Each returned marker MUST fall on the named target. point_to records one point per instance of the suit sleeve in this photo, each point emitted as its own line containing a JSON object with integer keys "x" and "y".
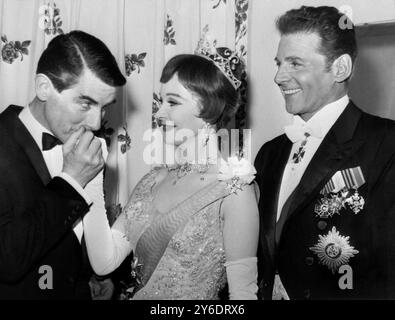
{"x": 383, "y": 221}
{"x": 258, "y": 164}
{"x": 25, "y": 237}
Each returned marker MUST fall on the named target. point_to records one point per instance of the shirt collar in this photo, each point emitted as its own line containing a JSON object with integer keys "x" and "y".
{"x": 326, "y": 117}
{"x": 35, "y": 128}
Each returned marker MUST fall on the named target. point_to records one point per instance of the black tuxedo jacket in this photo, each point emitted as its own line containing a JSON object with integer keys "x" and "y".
{"x": 36, "y": 218}
{"x": 356, "y": 139}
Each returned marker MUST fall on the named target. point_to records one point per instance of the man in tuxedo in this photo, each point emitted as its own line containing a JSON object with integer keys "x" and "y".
{"x": 327, "y": 186}
{"x": 51, "y": 170}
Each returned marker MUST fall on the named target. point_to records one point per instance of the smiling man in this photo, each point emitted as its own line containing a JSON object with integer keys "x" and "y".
{"x": 306, "y": 82}
{"x": 51, "y": 170}
{"x": 327, "y": 184}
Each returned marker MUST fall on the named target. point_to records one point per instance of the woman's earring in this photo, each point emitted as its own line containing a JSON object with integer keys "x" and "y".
{"x": 203, "y": 167}
{"x": 207, "y": 130}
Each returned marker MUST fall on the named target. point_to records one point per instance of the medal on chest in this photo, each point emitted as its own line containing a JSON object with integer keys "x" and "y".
{"x": 333, "y": 250}
{"x": 341, "y": 191}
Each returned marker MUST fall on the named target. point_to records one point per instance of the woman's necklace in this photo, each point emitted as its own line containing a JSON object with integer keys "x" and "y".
{"x": 188, "y": 168}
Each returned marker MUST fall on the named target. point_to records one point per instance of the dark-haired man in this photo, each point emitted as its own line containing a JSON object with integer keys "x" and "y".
{"x": 51, "y": 170}
{"x": 328, "y": 184}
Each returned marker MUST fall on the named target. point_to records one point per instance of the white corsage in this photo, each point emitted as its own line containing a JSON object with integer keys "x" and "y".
{"x": 237, "y": 172}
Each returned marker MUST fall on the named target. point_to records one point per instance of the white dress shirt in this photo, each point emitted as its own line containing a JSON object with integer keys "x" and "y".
{"x": 320, "y": 123}
{"x": 93, "y": 192}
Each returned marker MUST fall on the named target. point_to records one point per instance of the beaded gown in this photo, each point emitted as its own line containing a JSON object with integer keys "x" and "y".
{"x": 180, "y": 253}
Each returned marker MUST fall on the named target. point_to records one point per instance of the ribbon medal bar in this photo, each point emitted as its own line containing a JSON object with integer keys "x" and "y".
{"x": 341, "y": 190}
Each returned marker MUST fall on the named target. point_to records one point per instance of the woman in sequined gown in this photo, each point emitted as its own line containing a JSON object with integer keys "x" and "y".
{"x": 191, "y": 232}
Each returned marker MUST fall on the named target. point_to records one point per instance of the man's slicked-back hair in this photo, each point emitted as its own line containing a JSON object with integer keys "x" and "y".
{"x": 66, "y": 56}
{"x": 328, "y": 23}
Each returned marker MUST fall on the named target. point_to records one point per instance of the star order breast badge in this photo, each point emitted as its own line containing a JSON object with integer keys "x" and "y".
{"x": 333, "y": 250}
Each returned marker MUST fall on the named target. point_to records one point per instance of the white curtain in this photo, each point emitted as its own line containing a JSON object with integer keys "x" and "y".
{"x": 142, "y": 35}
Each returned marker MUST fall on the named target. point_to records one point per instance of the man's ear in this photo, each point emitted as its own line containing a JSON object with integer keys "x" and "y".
{"x": 44, "y": 87}
{"x": 342, "y": 68}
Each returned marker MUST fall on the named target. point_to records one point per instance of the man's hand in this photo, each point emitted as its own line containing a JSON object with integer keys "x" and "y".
{"x": 82, "y": 156}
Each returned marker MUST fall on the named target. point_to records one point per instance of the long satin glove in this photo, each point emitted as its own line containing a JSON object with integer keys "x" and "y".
{"x": 107, "y": 248}
{"x": 242, "y": 278}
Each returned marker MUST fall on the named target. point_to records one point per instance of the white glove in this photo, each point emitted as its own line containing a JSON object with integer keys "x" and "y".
{"x": 107, "y": 248}
{"x": 242, "y": 278}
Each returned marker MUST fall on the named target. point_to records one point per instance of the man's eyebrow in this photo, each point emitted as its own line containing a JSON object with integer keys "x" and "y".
{"x": 92, "y": 101}
{"x": 292, "y": 58}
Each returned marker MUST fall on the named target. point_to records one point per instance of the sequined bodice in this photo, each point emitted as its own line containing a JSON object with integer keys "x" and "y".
{"x": 192, "y": 265}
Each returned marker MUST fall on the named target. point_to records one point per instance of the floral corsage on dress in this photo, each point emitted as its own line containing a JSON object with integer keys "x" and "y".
{"x": 237, "y": 171}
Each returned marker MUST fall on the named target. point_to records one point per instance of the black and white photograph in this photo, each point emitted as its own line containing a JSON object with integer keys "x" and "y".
{"x": 219, "y": 151}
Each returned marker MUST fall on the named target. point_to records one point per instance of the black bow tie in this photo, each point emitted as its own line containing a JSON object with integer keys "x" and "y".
{"x": 49, "y": 141}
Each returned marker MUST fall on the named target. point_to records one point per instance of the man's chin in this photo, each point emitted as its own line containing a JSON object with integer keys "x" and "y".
{"x": 292, "y": 109}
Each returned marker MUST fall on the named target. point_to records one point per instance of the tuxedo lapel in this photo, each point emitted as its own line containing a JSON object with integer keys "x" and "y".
{"x": 24, "y": 139}
{"x": 273, "y": 183}
{"x": 336, "y": 148}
